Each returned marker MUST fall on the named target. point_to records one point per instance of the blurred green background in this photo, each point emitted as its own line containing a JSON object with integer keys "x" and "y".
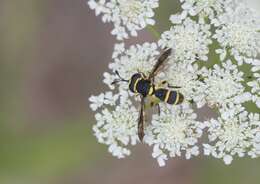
{"x": 52, "y": 56}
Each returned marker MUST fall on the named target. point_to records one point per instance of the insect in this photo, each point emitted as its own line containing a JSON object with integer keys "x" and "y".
{"x": 144, "y": 86}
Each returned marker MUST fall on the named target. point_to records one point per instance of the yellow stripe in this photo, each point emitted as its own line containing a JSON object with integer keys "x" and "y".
{"x": 135, "y": 84}
{"x": 167, "y": 96}
{"x": 150, "y": 91}
{"x": 177, "y": 98}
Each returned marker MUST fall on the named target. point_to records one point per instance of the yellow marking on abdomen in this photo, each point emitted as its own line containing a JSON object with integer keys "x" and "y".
{"x": 167, "y": 96}
{"x": 135, "y": 84}
{"x": 177, "y": 98}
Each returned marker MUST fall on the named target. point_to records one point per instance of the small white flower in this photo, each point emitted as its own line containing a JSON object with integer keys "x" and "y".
{"x": 238, "y": 33}
{"x": 232, "y": 135}
{"x": 172, "y": 132}
{"x": 255, "y": 86}
{"x": 118, "y": 50}
{"x": 138, "y": 58}
{"x": 117, "y": 128}
{"x": 128, "y": 16}
{"x": 255, "y": 151}
{"x": 108, "y": 79}
{"x": 227, "y": 159}
{"x": 103, "y": 99}
{"x": 205, "y": 8}
{"x": 224, "y": 85}
{"x": 189, "y": 41}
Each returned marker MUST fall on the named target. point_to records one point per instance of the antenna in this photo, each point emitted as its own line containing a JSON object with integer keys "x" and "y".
{"x": 118, "y": 80}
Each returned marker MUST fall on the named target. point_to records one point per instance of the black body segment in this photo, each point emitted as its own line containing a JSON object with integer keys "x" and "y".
{"x": 169, "y": 96}
{"x": 180, "y": 99}
{"x": 161, "y": 93}
{"x": 138, "y": 84}
{"x": 175, "y": 98}
{"x": 143, "y": 87}
{"x": 172, "y": 98}
{"x": 133, "y": 81}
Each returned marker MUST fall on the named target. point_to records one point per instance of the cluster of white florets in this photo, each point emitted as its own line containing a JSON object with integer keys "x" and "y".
{"x": 224, "y": 85}
{"x": 189, "y": 41}
{"x": 128, "y": 16}
{"x": 228, "y": 83}
{"x": 174, "y": 131}
{"x": 254, "y": 83}
{"x": 235, "y": 133}
{"x": 238, "y": 34}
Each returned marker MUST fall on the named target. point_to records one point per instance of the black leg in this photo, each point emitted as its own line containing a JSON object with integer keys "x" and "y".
{"x": 159, "y": 109}
{"x": 168, "y": 85}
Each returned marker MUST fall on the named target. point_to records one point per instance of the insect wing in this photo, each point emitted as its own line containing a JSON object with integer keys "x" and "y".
{"x": 141, "y": 121}
{"x": 163, "y": 57}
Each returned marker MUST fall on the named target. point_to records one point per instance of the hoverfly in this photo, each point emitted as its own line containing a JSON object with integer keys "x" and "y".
{"x": 144, "y": 85}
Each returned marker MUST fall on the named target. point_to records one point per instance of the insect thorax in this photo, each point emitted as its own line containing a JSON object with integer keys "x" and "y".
{"x": 139, "y": 84}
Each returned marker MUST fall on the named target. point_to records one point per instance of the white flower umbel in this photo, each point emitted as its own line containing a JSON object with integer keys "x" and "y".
{"x": 172, "y": 132}
{"x": 128, "y": 16}
{"x": 205, "y": 8}
{"x": 117, "y": 128}
{"x": 224, "y": 85}
{"x": 189, "y": 41}
{"x": 232, "y": 135}
{"x": 255, "y": 86}
{"x": 103, "y": 99}
{"x": 238, "y": 34}
{"x": 255, "y": 151}
{"x": 138, "y": 58}
{"x": 117, "y": 122}
{"x": 186, "y": 76}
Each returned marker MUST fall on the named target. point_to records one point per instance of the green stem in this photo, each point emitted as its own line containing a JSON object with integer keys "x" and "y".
{"x": 153, "y": 31}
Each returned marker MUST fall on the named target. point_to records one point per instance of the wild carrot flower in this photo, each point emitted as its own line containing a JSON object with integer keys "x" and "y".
{"x": 226, "y": 82}
{"x": 127, "y": 16}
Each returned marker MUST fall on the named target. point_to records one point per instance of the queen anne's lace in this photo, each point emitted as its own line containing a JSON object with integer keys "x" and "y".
{"x": 117, "y": 128}
{"x": 172, "y": 132}
{"x": 234, "y": 134}
{"x": 203, "y": 8}
{"x": 188, "y": 40}
{"x": 224, "y": 85}
{"x": 238, "y": 33}
{"x": 186, "y": 76}
{"x": 255, "y": 86}
{"x": 228, "y": 84}
{"x": 128, "y": 16}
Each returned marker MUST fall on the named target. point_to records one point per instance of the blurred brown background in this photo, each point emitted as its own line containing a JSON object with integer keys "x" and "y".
{"x": 52, "y": 56}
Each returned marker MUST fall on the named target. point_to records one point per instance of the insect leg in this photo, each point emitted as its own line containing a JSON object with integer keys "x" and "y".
{"x": 168, "y": 85}
{"x": 159, "y": 109}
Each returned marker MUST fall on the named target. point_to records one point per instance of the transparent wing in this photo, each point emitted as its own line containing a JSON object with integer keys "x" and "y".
{"x": 163, "y": 57}
{"x": 141, "y": 121}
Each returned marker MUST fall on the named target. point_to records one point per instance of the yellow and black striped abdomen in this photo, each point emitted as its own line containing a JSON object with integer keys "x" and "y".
{"x": 169, "y": 96}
